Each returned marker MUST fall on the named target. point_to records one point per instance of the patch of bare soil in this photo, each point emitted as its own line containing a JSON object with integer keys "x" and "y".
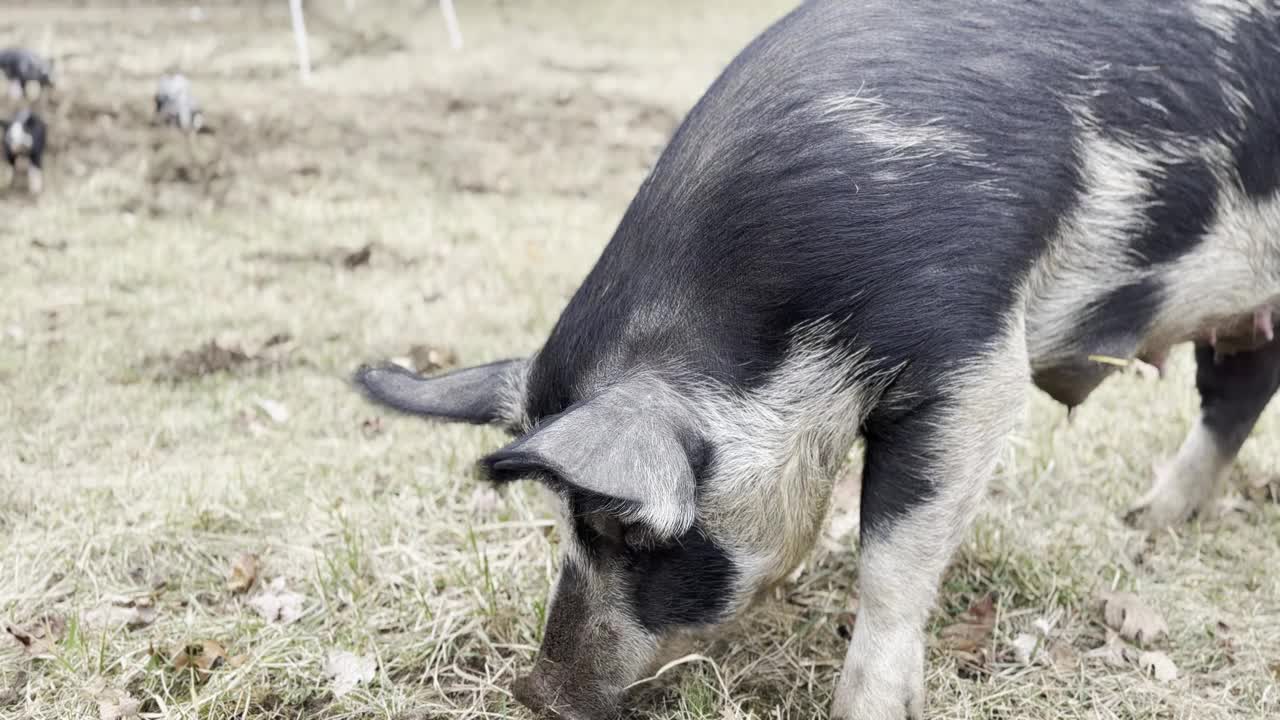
{"x": 221, "y": 355}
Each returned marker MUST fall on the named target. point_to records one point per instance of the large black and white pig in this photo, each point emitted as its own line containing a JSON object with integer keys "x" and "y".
{"x": 882, "y": 220}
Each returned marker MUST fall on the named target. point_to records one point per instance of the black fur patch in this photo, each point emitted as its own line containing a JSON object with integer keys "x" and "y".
{"x": 1235, "y": 389}
{"x": 683, "y": 583}
{"x": 34, "y": 126}
{"x": 1180, "y": 213}
{"x": 1253, "y": 55}
{"x": 1117, "y": 321}
{"x": 896, "y": 473}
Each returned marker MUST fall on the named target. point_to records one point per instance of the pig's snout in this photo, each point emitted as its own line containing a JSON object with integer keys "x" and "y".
{"x": 549, "y": 697}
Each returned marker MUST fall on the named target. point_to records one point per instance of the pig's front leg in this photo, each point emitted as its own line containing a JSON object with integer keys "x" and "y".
{"x": 922, "y": 481}
{"x": 1234, "y": 390}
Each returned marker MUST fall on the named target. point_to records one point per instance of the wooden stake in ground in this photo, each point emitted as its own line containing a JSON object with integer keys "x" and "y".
{"x": 451, "y": 22}
{"x": 300, "y": 38}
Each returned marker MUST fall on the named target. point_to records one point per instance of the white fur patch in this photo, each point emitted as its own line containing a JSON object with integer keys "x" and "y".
{"x": 870, "y": 120}
{"x": 17, "y": 138}
{"x": 778, "y": 451}
{"x": 1089, "y": 256}
{"x": 1235, "y": 269}
{"x": 1224, "y": 16}
{"x": 513, "y": 395}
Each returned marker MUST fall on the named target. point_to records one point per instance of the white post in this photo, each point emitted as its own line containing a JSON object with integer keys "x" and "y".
{"x": 300, "y": 37}
{"x": 451, "y": 22}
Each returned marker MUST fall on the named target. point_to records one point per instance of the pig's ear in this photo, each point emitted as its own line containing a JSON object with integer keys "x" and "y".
{"x": 630, "y": 451}
{"x": 482, "y": 394}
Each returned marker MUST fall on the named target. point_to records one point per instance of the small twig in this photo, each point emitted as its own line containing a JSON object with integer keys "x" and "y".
{"x": 1142, "y": 367}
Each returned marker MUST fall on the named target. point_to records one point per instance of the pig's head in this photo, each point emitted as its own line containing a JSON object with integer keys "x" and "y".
{"x": 641, "y": 571}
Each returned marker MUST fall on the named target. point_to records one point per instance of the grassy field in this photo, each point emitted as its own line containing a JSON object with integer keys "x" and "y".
{"x": 178, "y": 323}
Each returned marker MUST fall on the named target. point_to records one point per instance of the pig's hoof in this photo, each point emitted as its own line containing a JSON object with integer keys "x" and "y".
{"x": 1157, "y": 513}
{"x": 1172, "y": 500}
{"x": 871, "y": 689}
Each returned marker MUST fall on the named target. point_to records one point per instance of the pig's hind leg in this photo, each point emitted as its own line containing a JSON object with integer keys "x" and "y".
{"x": 1234, "y": 390}
{"x": 923, "y": 478}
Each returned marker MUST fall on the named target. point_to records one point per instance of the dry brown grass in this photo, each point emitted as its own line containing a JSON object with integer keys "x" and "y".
{"x": 486, "y": 182}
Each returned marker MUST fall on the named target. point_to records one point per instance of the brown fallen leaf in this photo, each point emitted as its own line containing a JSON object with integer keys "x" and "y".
{"x": 1062, "y": 655}
{"x": 116, "y": 705}
{"x": 353, "y": 260}
{"x": 244, "y": 572}
{"x": 348, "y": 670}
{"x": 201, "y": 657}
{"x": 1134, "y": 620}
{"x": 39, "y": 637}
{"x": 968, "y": 639}
{"x": 1158, "y": 665}
{"x": 275, "y": 603}
{"x": 428, "y": 359}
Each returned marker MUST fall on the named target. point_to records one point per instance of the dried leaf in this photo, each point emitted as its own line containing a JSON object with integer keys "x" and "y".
{"x": 273, "y": 409}
{"x": 1158, "y": 665}
{"x": 1113, "y": 651}
{"x": 278, "y": 604}
{"x": 39, "y": 638}
{"x": 348, "y": 670}
{"x": 428, "y": 359}
{"x": 116, "y": 705}
{"x": 1062, "y": 655}
{"x": 244, "y": 572}
{"x": 203, "y": 657}
{"x": 1136, "y": 621}
{"x": 360, "y": 257}
{"x": 969, "y": 638}
{"x": 118, "y": 612}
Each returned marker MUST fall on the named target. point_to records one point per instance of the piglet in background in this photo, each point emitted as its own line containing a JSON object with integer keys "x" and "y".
{"x": 24, "y": 138}
{"x": 21, "y": 67}
{"x": 176, "y": 105}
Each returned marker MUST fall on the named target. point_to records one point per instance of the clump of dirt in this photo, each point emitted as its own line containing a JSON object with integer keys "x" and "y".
{"x": 221, "y": 355}
{"x": 426, "y": 359}
{"x": 336, "y": 256}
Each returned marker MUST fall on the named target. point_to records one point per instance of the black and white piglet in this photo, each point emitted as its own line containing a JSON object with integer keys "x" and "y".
{"x": 24, "y": 139}
{"x": 21, "y": 67}
{"x": 175, "y": 105}
{"x": 885, "y": 219}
